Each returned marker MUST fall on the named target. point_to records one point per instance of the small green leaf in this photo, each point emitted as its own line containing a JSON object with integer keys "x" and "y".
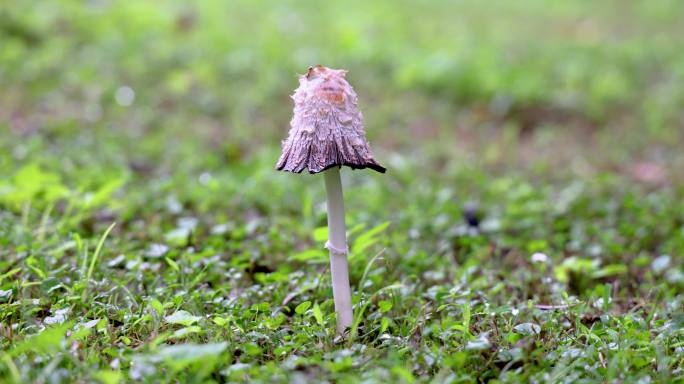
{"x": 384, "y": 306}
{"x": 186, "y": 331}
{"x": 310, "y": 255}
{"x": 369, "y": 238}
{"x": 610, "y": 270}
{"x": 104, "y": 193}
{"x": 8, "y": 274}
{"x": 32, "y": 263}
{"x": 108, "y": 376}
{"x": 384, "y": 324}
{"x": 157, "y": 306}
{"x": 261, "y": 307}
{"x": 80, "y": 334}
{"x": 178, "y": 237}
{"x": 318, "y": 315}
{"x": 192, "y": 351}
{"x": 466, "y": 317}
{"x": 303, "y": 307}
{"x": 221, "y": 321}
{"x": 172, "y": 264}
{"x": 182, "y": 318}
{"x": 252, "y": 349}
{"x": 403, "y": 373}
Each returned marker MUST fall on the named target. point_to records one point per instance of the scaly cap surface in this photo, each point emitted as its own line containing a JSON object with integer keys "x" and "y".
{"x": 327, "y": 127}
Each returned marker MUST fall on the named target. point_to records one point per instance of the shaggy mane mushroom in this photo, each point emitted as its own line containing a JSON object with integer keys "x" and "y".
{"x": 327, "y": 133}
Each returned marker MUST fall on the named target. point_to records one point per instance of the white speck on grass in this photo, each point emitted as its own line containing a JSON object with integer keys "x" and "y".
{"x": 187, "y": 222}
{"x": 156, "y": 250}
{"x": 59, "y": 317}
{"x": 595, "y": 250}
{"x": 220, "y": 229}
{"x": 572, "y": 353}
{"x": 173, "y": 205}
{"x": 527, "y": 329}
{"x": 115, "y": 364}
{"x": 88, "y": 324}
{"x": 237, "y": 367}
{"x": 599, "y": 303}
{"x": 539, "y": 257}
{"x": 674, "y": 276}
{"x": 116, "y": 261}
{"x": 661, "y": 263}
{"x": 205, "y": 178}
{"x": 481, "y": 343}
{"x": 132, "y": 264}
{"x": 125, "y": 96}
{"x": 491, "y": 225}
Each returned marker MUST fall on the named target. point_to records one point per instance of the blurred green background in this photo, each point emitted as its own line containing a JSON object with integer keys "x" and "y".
{"x": 562, "y": 121}
{"x": 461, "y": 79}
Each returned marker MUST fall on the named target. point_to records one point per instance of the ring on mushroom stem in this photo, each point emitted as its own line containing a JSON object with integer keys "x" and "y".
{"x": 327, "y": 133}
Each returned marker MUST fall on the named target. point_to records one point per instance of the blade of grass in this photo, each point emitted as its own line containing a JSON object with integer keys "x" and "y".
{"x": 368, "y": 266}
{"x": 25, "y": 211}
{"x": 96, "y": 256}
{"x": 40, "y": 234}
{"x": 12, "y": 368}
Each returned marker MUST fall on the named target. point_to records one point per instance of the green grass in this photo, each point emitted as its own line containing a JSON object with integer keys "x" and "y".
{"x": 149, "y": 239}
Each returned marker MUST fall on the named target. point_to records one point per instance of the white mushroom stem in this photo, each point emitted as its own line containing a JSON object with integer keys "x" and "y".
{"x": 337, "y": 244}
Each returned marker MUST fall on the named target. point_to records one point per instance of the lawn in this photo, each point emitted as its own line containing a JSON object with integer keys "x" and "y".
{"x": 530, "y": 226}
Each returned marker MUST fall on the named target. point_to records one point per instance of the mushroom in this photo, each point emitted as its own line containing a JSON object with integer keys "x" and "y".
{"x": 327, "y": 133}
